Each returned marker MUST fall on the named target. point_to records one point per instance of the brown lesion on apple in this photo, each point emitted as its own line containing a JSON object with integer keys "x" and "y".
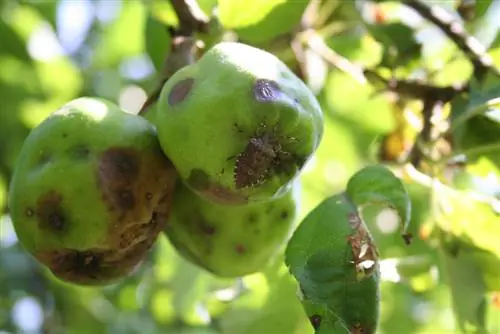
{"x": 201, "y": 182}
{"x": 93, "y": 266}
{"x": 50, "y": 213}
{"x": 180, "y": 91}
{"x": 263, "y": 156}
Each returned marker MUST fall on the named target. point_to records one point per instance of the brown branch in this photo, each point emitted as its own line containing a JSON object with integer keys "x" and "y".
{"x": 191, "y": 16}
{"x": 183, "y": 44}
{"x": 431, "y": 105}
{"x": 415, "y": 89}
{"x": 412, "y": 89}
{"x": 472, "y": 48}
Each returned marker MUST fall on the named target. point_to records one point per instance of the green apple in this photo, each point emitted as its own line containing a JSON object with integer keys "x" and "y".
{"x": 91, "y": 191}
{"x": 230, "y": 240}
{"x": 238, "y": 124}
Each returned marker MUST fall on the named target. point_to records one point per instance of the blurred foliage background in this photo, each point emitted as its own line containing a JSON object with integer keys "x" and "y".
{"x": 54, "y": 51}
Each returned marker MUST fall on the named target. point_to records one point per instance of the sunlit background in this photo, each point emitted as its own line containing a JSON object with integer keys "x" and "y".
{"x": 54, "y": 51}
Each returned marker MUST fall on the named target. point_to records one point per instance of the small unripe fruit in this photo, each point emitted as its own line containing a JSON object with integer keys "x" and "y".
{"x": 230, "y": 240}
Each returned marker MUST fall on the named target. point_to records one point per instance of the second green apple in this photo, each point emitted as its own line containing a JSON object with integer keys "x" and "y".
{"x": 238, "y": 124}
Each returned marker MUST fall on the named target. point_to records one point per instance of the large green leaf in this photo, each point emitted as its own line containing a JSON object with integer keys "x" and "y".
{"x": 468, "y": 293}
{"x": 157, "y": 41}
{"x": 12, "y": 44}
{"x": 474, "y": 227}
{"x": 263, "y": 20}
{"x": 334, "y": 259}
{"x": 398, "y": 41}
{"x": 376, "y": 184}
{"x": 123, "y": 37}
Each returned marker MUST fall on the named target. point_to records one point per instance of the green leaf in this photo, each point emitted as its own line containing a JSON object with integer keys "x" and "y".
{"x": 237, "y": 14}
{"x": 468, "y": 293}
{"x": 474, "y": 230}
{"x": 263, "y": 20}
{"x": 12, "y": 44}
{"x": 376, "y": 184}
{"x": 481, "y": 7}
{"x": 324, "y": 255}
{"x": 398, "y": 40}
{"x": 123, "y": 37}
{"x": 157, "y": 41}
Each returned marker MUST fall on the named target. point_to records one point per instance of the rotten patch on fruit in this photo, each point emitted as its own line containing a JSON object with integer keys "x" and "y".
{"x": 265, "y": 90}
{"x": 50, "y": 213}
{"x": 252, "y": 218}
{"x": 118, "y": 170}
{"x": 180, "y": 91}
{"x": 364, "y": 251}
{"x": 199, "y": 181}
{"x": 264, "y": 155}
{"x": 240, "y": 249}
{"x": 92, "y": 266}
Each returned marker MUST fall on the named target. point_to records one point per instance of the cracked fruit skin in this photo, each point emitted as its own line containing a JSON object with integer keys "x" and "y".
{"x": 91, "y": 191}
{"x": 238, "y": 124}
{"x": 229, "y": 240}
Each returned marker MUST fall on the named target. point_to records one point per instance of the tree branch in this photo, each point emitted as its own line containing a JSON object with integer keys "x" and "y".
{"x": 472, "y": 48}
{"x": 405, "y": 88}
{"x": 191, "y": 17}
{"x": 183, "y": 44}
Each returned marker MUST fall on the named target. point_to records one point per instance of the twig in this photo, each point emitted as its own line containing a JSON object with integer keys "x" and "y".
{"x": 416, "y": 89}
{"x": 183, "y": 45}
{"x": 431, "y": 105}
{"x": 405, "y": 88}
{"x": 191, "y": 16}
{"x": 181, "y": 54}
{"x": 473, "y": 49}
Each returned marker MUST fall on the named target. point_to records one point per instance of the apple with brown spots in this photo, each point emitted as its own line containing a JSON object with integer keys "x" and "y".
{"x": 91, "y": 191}
{"x": 230, "y": 240}
{"x": 238, "y": 124}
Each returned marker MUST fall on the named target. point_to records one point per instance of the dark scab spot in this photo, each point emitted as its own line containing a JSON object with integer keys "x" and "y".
{"x": 240, "y": 249}
{"x": 81, "y": 263}
{"x": 198, "y": 179}
{"x": 65, "y": 135}
{"x": 207, "y": 229}
{"x": 56, "y": 221}
{"x": 252, "y": 217}
{"x": 50, "y": 212}
{"x": 44, "y": 159}
{"x": 315, "y": 321}
{"x": 125, "y": 199}
{"x": 180, "y": 91}
{"x": 265, "y": 90}
{"x": 79, "y": 152}
{"x": 29, "y": 212}
{"x": 284, "y": 214}
{"x": 119, "y": 164}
